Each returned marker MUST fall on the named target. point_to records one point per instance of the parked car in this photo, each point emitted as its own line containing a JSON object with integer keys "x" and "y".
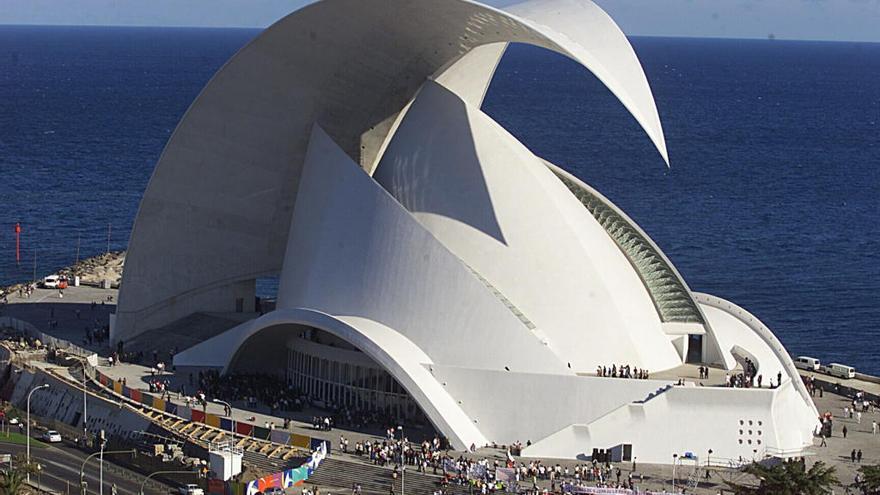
{"x": 51, "y": 282}
{"x": 840, "y": 370}
{"x": 190, "y": 489}
{"x": 273, "y": 491}
{"x": 807, "y": 363}
{"x": 52, "y": 436}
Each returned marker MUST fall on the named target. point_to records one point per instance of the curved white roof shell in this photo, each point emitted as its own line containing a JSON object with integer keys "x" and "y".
{"x": 350, "y": 65}
{"x": 344, "y": 149}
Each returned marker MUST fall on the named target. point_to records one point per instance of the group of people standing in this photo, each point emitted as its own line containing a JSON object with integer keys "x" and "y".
{"x": 622, "y": 371}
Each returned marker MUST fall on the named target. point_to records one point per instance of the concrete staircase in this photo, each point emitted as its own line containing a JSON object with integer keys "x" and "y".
{"x": 342, "y": 473}
{"x": 269, "y": 465}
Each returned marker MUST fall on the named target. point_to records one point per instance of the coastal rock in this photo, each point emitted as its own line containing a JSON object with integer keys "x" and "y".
{"x": 94, "y": 270}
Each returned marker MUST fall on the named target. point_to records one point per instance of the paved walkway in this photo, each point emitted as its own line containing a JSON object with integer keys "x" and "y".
{"x": 45, "y": 305}
{"x": 859, "y": 436}
{"x": 73, "y": 314}
{"x": 866, "y": 386}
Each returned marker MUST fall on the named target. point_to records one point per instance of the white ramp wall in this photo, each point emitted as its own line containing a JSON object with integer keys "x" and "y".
{"x": 737, "y": 424}
{"x": 510, "y": 407}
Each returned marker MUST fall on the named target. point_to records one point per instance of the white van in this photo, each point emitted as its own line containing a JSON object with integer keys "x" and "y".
{"x": 840, "y": 370}
{"x": 51, "y": 282}
{"x": 807, "y": 363}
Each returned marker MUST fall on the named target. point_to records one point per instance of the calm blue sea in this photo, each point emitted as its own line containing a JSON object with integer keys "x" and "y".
{"x": 772, "y": 200}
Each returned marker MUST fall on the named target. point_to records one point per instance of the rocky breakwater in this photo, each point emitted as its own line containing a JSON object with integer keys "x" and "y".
{"x": 95, "y": 270}
{"x": 91, "y": 271}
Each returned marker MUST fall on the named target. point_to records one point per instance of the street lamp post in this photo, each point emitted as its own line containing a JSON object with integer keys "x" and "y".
{"x": 82, "y": 469}
{"x": 141, "y": 492}
{"x": 402, "y": 463}
{"x": 231, "y": 416}
{"x": 85, "y": 410}
{"x": 708, "y": 462}
{"x": 674, "y": 462}
{"x": 28, "y": 456}
{"x": 102, "y": 442}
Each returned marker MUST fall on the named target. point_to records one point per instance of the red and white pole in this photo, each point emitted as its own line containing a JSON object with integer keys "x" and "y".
{"x": 17, "y": 243}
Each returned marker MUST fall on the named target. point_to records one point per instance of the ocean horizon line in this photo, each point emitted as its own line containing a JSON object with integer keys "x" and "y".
{"x": 768, "y": 37}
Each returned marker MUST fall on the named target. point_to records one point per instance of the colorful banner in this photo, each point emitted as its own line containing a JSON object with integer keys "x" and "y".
{"x": 212, "y": 420}
{"x": 244, "y": 429}
{"x": 184, "y": 412}
{"x": 261, "y": 433}
{"x": 216, "y": 487}
{"x": 226, "y": 424}
{"x": 592, "y": 490}
{"x": 290, "y": 477}
{"x": 279, "y": 436}
{"x": 318, "y": 444}
{"x": 506, "y": 475}
{"x": 300, "y": 441}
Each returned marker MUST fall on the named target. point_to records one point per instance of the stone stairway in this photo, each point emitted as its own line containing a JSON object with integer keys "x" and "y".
{"x": 269, "y": 465}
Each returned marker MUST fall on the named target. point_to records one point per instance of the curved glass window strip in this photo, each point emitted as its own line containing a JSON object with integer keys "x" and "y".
{"x": 669, "y": 295}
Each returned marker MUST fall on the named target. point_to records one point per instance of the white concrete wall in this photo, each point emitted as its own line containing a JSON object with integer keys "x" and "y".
{"x": 525, "y": 406}
{"x": 496, "y": 206}
{"x": 63, "y": 403}
{"x": 389, "y": 349}
{"x": 354, "y": 251}
{"x": 683, "y": 419}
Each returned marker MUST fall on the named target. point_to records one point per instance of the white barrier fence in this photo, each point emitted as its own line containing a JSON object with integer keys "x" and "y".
{"x": 595, "y": 490}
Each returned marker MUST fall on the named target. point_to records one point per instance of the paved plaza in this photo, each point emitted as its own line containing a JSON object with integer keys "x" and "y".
{"x": 45, "y": 306}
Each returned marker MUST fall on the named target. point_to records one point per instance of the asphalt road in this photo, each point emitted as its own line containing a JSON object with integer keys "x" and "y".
{"x": 61, "y": 467}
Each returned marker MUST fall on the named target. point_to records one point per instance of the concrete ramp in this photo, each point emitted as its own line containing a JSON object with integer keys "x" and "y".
{"x": 185, "y": 332}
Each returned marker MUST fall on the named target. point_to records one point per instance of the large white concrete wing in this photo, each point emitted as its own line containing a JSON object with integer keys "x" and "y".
{"x": 218, "y": 207}
{"x": 590, "y": 37}
{"x": 497, "y": 206}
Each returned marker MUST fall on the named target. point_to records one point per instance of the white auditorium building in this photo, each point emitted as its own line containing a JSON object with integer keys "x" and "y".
{"x": 428, "y": 262}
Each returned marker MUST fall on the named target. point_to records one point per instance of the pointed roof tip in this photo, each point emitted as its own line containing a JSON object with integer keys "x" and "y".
{"x": 660, "y": 143}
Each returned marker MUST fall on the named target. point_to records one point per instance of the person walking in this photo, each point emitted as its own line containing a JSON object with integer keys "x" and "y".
{"x": 874, "y": 427}
{"x": 852, "y": 456}
{"x": 844, "y": 431}
{"x": 859, "y": 456}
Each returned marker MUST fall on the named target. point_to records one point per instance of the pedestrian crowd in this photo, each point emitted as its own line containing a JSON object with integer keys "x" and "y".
{"x": 622, "y": 372}
{"x": 750, "y": 378}
{"x": 251, "y": 388}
